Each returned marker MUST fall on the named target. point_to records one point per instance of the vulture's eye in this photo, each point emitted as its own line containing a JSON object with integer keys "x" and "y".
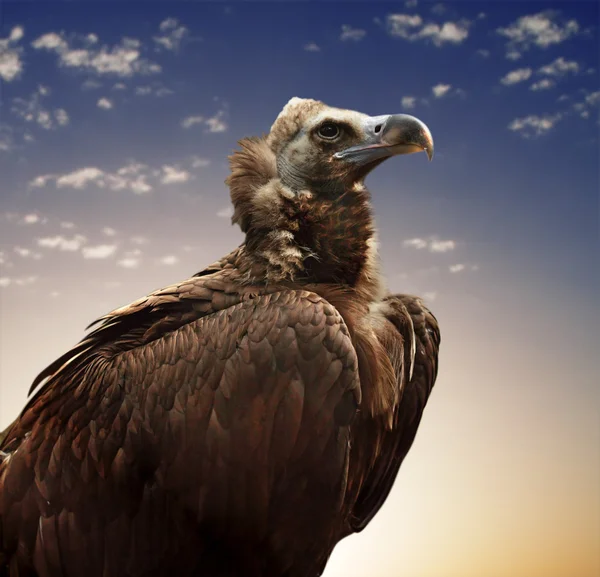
{"x": 329, "y": 131}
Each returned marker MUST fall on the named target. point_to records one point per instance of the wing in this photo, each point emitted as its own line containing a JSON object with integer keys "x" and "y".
{"x": 411, "y": 337}
{"x": 234, "y": 425}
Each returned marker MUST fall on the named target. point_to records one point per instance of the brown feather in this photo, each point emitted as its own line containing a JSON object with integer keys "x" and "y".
{"x": 242, "y": 421}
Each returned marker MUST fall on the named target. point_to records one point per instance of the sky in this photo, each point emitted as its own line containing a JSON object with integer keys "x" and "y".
{"x": 116, "y": 120}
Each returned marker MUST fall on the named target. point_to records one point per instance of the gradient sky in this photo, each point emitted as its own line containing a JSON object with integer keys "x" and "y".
{"x": 115, "y": 123}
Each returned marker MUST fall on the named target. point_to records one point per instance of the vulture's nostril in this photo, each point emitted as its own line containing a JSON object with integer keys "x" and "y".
{"x": 378, "y": 128}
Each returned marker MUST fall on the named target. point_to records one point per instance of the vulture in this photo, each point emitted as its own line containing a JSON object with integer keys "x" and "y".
{"x": 245, "y": 420}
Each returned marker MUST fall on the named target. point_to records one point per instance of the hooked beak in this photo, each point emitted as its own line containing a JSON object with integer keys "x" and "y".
{"x": 388, "y": 136}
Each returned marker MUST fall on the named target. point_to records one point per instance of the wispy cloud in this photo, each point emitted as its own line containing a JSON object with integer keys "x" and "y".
{"x": 560, "y": 67}
{"x": 409, "y": 101}
{"x": 432, "y": 244}
{"x": 174, "y": 175}
{"x": 104, "y": 103}
{"x": 543, "y": 84}
{"x": 63, "y": 243}
{"x": 516, "y": 76}
{"x": 353, "y": 34}
{"x": 429, "y": 296}
{"x": 225, "y": 212}
{"x": 122, "y": 59}
{"x": 440, "y": 90}
{"x": 171, "y": 35}
{"x": 312, "y": 47}
{"x": 454, "y": 268}
{"x": 200, "y": 162}
{"x": 168, "y": 260}
{"x": 11, "y": 64}
{"x": 589, "y": 101}
{"x": 31, "y": 218}
{"x": 32, "y": 110}
{"x": 131, "y": 259}
{"x": 215, "y": 123}
{"x": 541, "y": 30}
{"x": 100, "y": 251}
{"x": 132, "y": 176}
{"x": 154, "y": 89}
{"x": 108, "y": 231}
{"x": 91, "y": 84}
{"x": 413, "y": 28}
{"x": 24, "y": 252}
{"x": 19, "y": 281}
{"x": 534, "y": 125}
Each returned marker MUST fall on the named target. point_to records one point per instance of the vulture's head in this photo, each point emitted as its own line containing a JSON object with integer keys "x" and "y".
{"x": 304, "y": 180}
{"x": 320, "y": 147}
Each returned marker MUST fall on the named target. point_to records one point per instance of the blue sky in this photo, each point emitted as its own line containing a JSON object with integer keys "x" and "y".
{"x": 115, "y": 123}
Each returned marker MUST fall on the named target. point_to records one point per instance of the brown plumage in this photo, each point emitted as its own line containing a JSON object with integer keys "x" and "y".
{"x": 245, "y": 420}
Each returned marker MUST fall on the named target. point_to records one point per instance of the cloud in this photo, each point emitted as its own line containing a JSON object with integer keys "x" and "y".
{"x": 168, "y": 260}
{"x": 99, "y": 252}
{"x": 516, "y": 76}
{"x": 155, "y": 89}
{"x": 108, "y": 231}
{"x": 412, "y": 27}
{"x": 27, "y": 253}
{"x": 584, "y": 106}
{"x": 560, "y": 67}
{"x": 11, "y": 64}
{"x": 430, "y": 295}
{"x": 417, "y": 243}
{"x": 543, "y": 84}
{"x": 123, "y": 59}
{"x": 541, "y": 30}
{"x": 63, "y": 243}
{"x": 483, "y": 53}
{"x": 172, "y": 35}
{"x": 439, "y": 90}
{"x": 432, "y": 244}
{"x": 129, "y": 262}
{"x": 6, "y": 138}
{"x": 513, "y": 55}
{"x": 441, "y": 245}
{"x": 532, "y": 126}
{"x": 217, "y": 122}
{"x": 91, "y": 84}
{"x": 131, "y": 259}
{"x": 80, "y": 178}
{"x": 32, "y": 110}
{"x": 225, "y": 212}
{"x": 22, "y": 281}
{"x": 66, "y": 224}
{"x": 312, "y": 47}
{"x": 190, "y": 121}
{"x": 31, "y": 218}
{"x": 173, "y": 175}
{"x": 349, "y": 33}
{"x": 132, "y": 176}
{"x": 104, "y": 103}
{"x": 408, "y": 101}
{"x": 456, "y": 268}
{"x": 214, "y": 124}
{"x": 199, "y": 162}
{"x": 411, "y": 3}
